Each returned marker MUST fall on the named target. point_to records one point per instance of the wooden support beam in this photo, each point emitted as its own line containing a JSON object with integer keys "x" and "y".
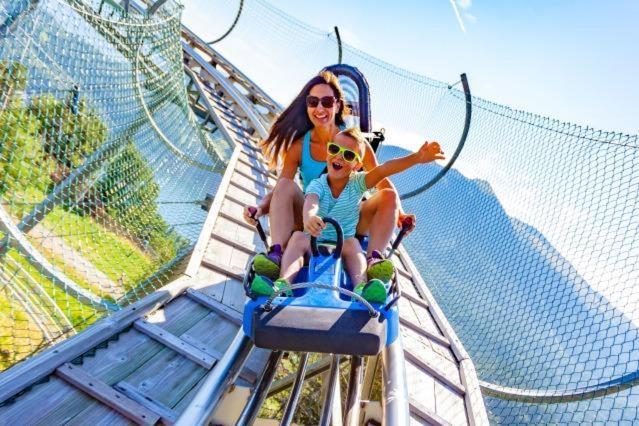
{"x": 415, "y": 300}
{"x": 174, "y": 342}
{"x": 420, "y": 330}
{"x": 208, "y": 302}
{"x": 242, "y": 223}
{"x": 235, "y": 244}
{"x": 117, "y": 401}
{"x": 416, "y": 408}
{"x": 435, "y": 372}
{"x": 250, "y": 191}
{"x": 167, "y": 414}
{"x": 254, "y": 179}
{"x": 224, "y": 269}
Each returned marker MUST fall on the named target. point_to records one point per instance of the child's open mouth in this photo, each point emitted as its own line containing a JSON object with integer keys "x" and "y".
{"x": 337, "y": 166}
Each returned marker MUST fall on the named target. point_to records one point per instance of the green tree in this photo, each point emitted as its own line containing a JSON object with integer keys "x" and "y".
{"x": 70, "y": 134}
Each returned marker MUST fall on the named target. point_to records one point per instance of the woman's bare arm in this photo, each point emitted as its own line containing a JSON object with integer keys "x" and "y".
{"x": 291, "y": 163}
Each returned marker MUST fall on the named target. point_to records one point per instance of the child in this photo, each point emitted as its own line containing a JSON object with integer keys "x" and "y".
{"x": 338, "y": 194}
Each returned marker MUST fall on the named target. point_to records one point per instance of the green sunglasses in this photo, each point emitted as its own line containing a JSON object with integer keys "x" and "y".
{"x": 347, "y": 154}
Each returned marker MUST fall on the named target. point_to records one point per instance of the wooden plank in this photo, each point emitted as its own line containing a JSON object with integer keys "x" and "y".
{"x": 22, "y": 375}
{"x": 241, "y": 234}
{"x": 227, "y": 270}
{"x": 211, "y": 283}
{"x": 96, "y": 414}
{"x": 241, "y": 222}
{"x": 178, "y": 345}
{"x": 167, "y": 415}
{"x": 258, "y": 168}
{"x": 234, "y": 295}
{"x": 415, "y": 300}
{"x": 202, "y": 242}
{"x": 234, "y": 244}
{"x": 474, "y": 401}
{"x": 234, "y": 316}
{"x": 242, "y": 200}
{"x": 57, "y": 402}
{"x": 431, "y": 417}
{"x": 111, "y": 364}
{"x": 249, "y": 185}
{"x": 435, "y": 372}
{"x": 416, "y": 328}
{"x": 450, "y": 405}
{"x": 431, "y": 353}
{"x": 421, "y": 386}
{"x": 104, "y": 393}
{"x": 251, "y": 191}
{"x": 254, "y": 179}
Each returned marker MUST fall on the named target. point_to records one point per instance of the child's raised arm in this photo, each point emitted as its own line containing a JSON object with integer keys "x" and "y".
{"x": 313, "y": 224}
{"x": 427, "y": 153}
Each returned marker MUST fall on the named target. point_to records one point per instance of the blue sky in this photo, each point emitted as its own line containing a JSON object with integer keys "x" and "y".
{"x": 571, "y": 60}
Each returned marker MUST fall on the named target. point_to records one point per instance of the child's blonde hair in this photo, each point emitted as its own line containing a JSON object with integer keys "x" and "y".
{"x": 355, "y": 134}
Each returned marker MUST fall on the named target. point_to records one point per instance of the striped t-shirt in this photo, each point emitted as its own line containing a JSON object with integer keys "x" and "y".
{"x": 344, "y": 209}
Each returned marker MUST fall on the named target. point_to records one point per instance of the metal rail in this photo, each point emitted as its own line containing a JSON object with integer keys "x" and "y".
{"x": 460, "y": 145}
{"x": 200, "y": 410}
{"x": 333, "y": 382}
{"x": 294, "y": 397}
{"x": 394, "y": 390}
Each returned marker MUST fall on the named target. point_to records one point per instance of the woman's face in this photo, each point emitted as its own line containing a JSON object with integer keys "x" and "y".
{"x": 320, "y": 115}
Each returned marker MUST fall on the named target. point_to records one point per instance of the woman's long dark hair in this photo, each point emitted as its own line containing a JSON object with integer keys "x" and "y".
{"x": 293, "y": 122}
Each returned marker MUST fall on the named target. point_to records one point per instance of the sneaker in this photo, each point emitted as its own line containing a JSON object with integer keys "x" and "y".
{"x": 373, "y": 291}
{"x": 262, "y": 286}
{"x": 379, "y": 268}
{"x": 281, "y": 285}
{"x": 268, "y": 264}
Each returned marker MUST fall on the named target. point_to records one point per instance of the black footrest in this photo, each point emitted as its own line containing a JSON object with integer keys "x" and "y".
{"x": 324, "y": 330}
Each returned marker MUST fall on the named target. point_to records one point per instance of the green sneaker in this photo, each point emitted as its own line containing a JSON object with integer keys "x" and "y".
{"x": 281, "y": 285}
{"x": 262, "y": 286}
{"x": 358, "y": 290}
{"x": 268, "y": 264}
{"x": 374, "y": 291}
{"x": 379, "y": 268}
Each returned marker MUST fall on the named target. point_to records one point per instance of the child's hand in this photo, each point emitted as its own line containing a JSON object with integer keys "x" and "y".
{"x": 314, "y": 226}
{"x": 430, "y": 152}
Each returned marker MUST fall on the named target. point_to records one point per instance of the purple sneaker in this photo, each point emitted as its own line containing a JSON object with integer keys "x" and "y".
{"x": 269, "y": 264}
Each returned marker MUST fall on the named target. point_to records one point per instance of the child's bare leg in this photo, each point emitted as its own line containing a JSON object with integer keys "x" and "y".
{"x": 293, "y": 259}
{"x": 354, "y": 261}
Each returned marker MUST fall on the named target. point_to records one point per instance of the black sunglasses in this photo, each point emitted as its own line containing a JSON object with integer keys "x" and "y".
{"x": 313, "y": 101}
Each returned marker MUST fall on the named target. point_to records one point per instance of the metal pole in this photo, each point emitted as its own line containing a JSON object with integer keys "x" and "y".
{"x": 394, "y": 391}
{"x": 353, "y": 396}
{"x": 293, "y": 399}
{"x": 330, "y": 391}
{"x": 261, "y": 389}
{"x": 200, "y": 410}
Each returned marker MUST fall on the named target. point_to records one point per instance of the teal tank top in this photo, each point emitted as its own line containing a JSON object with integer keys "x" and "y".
{"x": 309, "y": 168}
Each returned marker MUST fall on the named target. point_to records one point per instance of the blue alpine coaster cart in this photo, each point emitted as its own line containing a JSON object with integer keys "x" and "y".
{"x": 322, "y": 313}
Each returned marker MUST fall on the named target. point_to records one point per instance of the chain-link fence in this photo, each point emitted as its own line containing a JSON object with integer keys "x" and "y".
{"x": 530, "y": 243}
{"x": 103, "y": 166}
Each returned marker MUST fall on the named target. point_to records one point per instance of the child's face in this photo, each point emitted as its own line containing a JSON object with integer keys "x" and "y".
{"x": 337, "y": 166}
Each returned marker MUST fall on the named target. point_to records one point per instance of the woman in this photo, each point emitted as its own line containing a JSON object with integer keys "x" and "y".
{"x": 299, "y": 138}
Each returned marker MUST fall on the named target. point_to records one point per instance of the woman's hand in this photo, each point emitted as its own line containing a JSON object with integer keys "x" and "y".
{"x": 249, "y": 218}
{"x": 314, "y": 225}
{"x": 430, "y": 152}
{"x": 407, "y": 218}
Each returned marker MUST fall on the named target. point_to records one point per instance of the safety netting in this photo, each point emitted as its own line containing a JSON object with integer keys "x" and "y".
{"x": 530, "y": 243}
{"x": 103, "y": 165}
